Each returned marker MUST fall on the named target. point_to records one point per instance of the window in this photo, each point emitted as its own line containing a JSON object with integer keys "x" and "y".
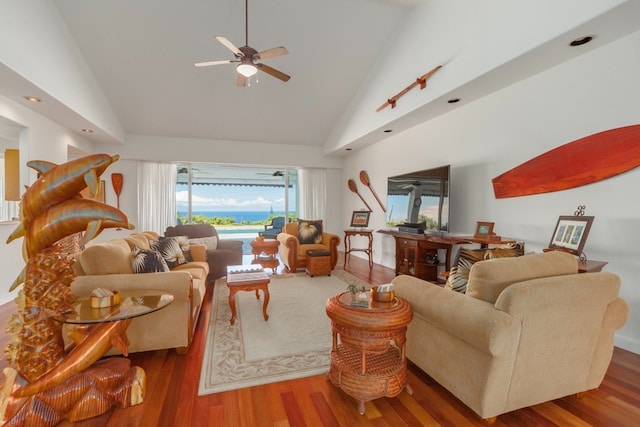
{"x": 226, "y": 195}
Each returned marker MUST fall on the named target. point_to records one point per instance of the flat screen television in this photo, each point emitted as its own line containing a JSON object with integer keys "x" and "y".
{"x": 419, "y": 197}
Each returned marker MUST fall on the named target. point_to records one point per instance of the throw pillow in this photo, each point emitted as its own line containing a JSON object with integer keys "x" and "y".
{"x": 210, "y": 242}
{"x": 147, "y": 261}
{"x": 309, "y": 231}
{"x": 459, "y": 274}
{"x": 171, "y": 249}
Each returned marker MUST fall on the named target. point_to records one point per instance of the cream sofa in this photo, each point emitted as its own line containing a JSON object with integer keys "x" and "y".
{"x": 528, "y": 330}
{"x": 108, "y": 265}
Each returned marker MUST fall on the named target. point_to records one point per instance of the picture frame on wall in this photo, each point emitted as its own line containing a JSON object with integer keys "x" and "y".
{"x": 571, "y": 233}
{"x": 360, "y": 218}
{"x": 483, "y": 230}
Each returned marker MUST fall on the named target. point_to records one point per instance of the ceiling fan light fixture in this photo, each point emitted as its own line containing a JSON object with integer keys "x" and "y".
{"x": 247, "y": 70}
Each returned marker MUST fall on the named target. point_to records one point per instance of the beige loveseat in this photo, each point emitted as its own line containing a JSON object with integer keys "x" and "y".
{"x": 108, "y": 265}
{"x": 528, "y": 330}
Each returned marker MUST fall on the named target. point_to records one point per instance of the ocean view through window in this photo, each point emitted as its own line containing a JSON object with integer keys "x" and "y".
{"x": 238, "y": 201}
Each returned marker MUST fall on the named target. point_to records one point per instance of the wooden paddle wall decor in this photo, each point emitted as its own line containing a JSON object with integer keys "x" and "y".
{"x": 580, "y": 162}
{"x": 420, "y": 81}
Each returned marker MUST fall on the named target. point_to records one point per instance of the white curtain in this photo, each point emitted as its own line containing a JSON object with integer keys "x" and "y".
{"x": 312, "y": 189}
{"x": 156, "y": 196}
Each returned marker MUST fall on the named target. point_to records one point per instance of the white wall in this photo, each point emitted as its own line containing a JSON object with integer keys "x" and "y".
{"x": 44, "y": 140}
{"x": 592, "y": 93}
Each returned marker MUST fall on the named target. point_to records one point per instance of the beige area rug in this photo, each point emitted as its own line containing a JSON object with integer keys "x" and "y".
{"x": 295, "y": 342}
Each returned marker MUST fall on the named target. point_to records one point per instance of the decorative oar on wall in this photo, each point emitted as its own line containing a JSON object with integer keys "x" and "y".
{"x": 364, "y": 178}
{"x": 353, "y": 187}
{"x": 117, "y": 180}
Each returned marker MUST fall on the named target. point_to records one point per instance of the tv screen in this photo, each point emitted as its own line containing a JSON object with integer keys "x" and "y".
{"x": 419, "y": 197}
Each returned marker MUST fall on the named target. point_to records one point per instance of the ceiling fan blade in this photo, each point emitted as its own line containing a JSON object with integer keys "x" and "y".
{"x": 272, "y": 71}
{"x": 206, "y": 64}
{"x": 241, "y": 81}
{"x": 233, "y": 48}
{"x": 272, "y": 53}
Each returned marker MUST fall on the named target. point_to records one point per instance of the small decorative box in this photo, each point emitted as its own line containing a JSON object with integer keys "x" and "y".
{"x": 105, "y": 301}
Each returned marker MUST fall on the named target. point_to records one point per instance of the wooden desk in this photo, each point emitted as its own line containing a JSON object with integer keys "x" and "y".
{"x": 368, "y": 353}
{"x": 348, "y": 234}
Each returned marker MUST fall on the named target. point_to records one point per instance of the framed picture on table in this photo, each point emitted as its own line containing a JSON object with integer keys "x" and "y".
{"x": 483, "y": 230}
{"x": 360, "y": 218}
{"x": 571, "y": 233}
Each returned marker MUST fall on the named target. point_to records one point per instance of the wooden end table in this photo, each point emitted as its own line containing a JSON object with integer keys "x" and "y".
{"x": 264, "y": 253}
{"x": 247, "y": 278}
{"x": 368, "y": 354}
{"x": 348, "y": 234}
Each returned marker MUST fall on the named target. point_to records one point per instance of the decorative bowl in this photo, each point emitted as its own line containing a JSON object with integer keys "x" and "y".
{"x": 382, "y": 296}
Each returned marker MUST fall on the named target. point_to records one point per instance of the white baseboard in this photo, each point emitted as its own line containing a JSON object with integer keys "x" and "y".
{"x": 627, "y": 344}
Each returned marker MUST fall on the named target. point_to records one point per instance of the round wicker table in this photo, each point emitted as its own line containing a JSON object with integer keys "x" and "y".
{"x": 368, "y": 354}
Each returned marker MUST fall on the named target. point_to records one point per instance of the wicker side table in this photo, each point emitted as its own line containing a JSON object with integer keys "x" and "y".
{"x": 368, "y": 354}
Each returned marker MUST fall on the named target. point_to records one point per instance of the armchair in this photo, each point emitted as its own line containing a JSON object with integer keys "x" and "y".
{"x": 273, "y": 229}
{"x": 294, "y": 255}
{"x": 227, "y": 252}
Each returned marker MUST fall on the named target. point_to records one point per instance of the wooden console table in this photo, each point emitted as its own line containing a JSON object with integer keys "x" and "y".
{"x": 348, "y": 234}
{"x": 368, "y": 354}
{"x": 417, "y": 254}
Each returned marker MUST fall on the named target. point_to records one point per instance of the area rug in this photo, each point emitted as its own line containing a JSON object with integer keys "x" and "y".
{"x": 295, "y": 342}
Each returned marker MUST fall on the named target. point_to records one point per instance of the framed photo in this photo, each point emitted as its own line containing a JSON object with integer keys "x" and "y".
{"x": 571, "y": 233}
{"x": 360, "y": 218}
{"x": 483, "y": 230}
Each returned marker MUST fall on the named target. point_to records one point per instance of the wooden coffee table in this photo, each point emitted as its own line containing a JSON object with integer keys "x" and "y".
{"x": 368, "y": 354}
{"x": 247, "y": 278}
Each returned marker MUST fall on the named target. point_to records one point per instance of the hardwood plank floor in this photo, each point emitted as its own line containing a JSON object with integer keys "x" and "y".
{"x": 172, "y": 393}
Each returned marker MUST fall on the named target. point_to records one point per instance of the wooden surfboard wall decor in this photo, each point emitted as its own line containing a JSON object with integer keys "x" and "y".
{"x": 580, "y": 162}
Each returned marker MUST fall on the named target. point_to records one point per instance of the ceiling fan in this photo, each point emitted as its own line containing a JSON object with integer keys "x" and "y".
{"x": 275, "y": 174}
{"x": 249, "y": 58}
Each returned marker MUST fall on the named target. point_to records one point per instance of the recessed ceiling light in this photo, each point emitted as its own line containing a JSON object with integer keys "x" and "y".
{"x": 581, "y": 41}
{"x": 348, "y": 149}
{"x": 32, "y": 99}
{"x": 453, "y": 100}
{"x": 388, "y": 130}
{"x": 87, "y": 130}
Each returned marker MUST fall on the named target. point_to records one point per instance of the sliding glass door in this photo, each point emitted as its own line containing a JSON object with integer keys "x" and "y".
{"x": 225, "y": 195}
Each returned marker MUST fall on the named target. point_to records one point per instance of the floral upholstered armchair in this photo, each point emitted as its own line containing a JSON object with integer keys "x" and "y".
{"x": 299, "y": 237}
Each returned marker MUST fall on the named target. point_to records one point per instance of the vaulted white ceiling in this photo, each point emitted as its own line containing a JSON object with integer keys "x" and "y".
{"x": 346, "y": 57}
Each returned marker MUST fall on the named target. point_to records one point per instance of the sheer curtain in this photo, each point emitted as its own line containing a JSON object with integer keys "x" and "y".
{"x": 156, "y": 196}
{"x": 312, "y": 187}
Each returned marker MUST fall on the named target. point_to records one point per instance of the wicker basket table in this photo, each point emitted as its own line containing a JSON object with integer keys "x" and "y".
{"x": 368, "y": 354}
{"x": 318, "y": 263}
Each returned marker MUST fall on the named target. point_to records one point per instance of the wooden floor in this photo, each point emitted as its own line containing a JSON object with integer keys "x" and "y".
{"x": 172, "y": 394}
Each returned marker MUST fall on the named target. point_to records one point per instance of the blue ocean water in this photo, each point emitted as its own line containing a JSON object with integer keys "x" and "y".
{"x": 240, "y": 216}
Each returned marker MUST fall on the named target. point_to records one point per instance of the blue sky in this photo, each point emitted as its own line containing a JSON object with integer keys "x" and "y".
{"x": 232, "y": 198}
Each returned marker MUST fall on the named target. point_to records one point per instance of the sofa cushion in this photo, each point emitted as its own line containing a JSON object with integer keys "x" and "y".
{"x": 309, "y": 231}
{"x": 174, "y": 250}
{"x": 147, "y": 261}
{"x": 211, "y": 243}
{"x": 140, "y": 240}
{"x": 459, "y": 274}
{"x": 487, "y": 279}
{"x": 113, "y": 257}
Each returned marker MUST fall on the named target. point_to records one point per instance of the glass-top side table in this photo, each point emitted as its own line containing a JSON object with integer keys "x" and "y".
{"x": 132, "y": 304}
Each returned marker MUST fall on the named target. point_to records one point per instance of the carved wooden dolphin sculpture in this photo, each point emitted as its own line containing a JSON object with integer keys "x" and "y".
{"x": 95, "y": 345}
{"x": 59, "y": 183}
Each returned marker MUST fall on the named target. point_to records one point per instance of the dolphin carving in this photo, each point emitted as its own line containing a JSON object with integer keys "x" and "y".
{"x": 70, "y": 217}
{"x": 58, "y": 183}
{"x": 94, "y": 346}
